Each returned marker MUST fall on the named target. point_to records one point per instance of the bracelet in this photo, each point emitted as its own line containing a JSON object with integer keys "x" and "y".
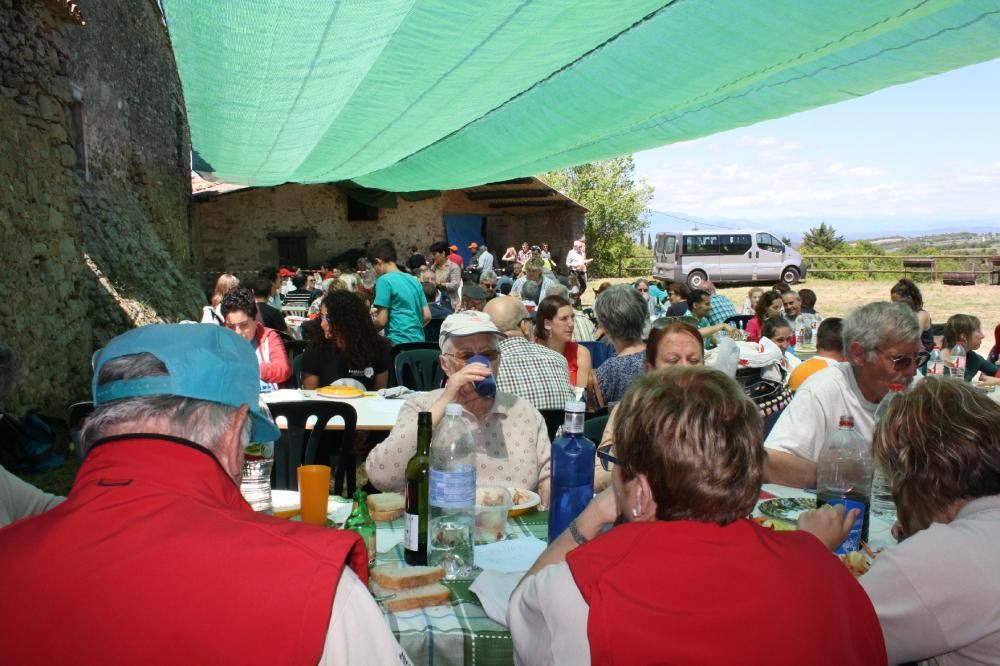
{"x": 575, "y": 533}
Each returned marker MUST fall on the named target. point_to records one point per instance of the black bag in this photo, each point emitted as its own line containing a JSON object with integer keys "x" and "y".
{"x": 36, "y": 444}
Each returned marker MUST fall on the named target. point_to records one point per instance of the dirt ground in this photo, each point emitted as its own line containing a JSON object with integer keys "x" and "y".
{"x": 837, "y": 297}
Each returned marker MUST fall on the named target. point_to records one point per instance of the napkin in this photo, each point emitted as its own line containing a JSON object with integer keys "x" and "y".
{"x": 388, "y": 539}
{"x": 494, "y": 589}
{"x": 509, "y": 555}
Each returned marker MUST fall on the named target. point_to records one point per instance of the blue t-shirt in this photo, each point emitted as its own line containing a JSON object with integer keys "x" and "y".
{"x": 401, "y": 294}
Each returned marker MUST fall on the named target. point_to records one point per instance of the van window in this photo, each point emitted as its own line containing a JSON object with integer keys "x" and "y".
{"x": 708, "y": 244}
{"x": 734, "y": 243}
{"x": 769, "y": 243}
{"x": 666, "y": 244}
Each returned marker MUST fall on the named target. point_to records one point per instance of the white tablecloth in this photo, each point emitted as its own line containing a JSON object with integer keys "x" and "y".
{"x": 374, "y": 412}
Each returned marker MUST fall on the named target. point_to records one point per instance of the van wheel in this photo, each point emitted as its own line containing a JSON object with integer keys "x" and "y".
{"x": 790, "y": 275}
{"x": 697, "y": 279}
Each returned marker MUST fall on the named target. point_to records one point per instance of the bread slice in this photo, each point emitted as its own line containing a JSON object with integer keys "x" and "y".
{"x": 396, "y": 577}
{"x": 397, "y": 601}
{"x": 384, "y": 507}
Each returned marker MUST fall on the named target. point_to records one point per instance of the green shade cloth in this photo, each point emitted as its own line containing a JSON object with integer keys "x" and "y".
{"x": 404, "y": 95}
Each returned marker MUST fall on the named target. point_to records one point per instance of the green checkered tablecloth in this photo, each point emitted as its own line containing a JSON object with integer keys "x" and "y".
{"x": 459, "y": 633}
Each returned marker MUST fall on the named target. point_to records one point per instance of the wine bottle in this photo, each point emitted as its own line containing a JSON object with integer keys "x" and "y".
{"x": 417, "y": 495}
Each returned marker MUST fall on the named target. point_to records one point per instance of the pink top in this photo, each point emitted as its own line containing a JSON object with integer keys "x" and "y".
{"x": 753, "y": 329}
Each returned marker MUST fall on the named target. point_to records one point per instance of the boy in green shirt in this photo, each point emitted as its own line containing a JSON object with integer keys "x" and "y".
{"x": 399, "y": 298}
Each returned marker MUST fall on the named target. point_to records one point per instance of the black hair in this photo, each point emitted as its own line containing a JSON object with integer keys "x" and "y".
{"x": 772, "y": 324}
{"x": 439, "y": 246}
{"x": 828, "y": 335}
{"x": 262, "y": 285}
{"x": 383, "y": 249}
{"x": 696, "y": 296}
{"x": 299, "y": 280}
{"x": 239, "y": 299}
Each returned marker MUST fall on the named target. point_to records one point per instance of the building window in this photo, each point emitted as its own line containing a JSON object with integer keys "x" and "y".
{"x": 359, "y": 211}
{"x": 292, "y": 251}
{"x": 79, "y": 132}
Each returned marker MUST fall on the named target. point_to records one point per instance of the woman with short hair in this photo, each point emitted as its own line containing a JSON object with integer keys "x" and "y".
{"x": 936, "y": 592}
{"x": 684, "y": 576}
{"x": 621, "y": 313}
{"x": 966, "y": 331}
{"x": 554, "y": 326}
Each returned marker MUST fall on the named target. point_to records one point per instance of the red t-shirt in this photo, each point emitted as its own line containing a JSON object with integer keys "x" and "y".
{"x": 686, "y": 592}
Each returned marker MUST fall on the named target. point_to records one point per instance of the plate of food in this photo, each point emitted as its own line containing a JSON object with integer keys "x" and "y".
{"x": 340, "y": 392}
{"x": 523, "y": 501}
{"x": 786, "y": 508}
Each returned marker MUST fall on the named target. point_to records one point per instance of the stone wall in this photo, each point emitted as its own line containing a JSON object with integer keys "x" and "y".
{"x": 236, "y": 231}
{"x": 109, "y": 88}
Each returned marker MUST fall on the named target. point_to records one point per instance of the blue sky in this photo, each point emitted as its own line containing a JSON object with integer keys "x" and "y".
{"x": 916, "y": 156}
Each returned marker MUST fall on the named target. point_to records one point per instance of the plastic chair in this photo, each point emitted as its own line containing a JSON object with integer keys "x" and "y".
{"x": 554, "y": 419}
{"x": 297, "y": 370}
{"x": 599, "y": 352}
{"x": 294, "y": 448}
{"x": 739, "y": 321}
{"x": 593, "y": 428}
{"x": 419, "y": 369}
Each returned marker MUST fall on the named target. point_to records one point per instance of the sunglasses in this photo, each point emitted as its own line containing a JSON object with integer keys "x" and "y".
{"x": 901, "y": 362}
{"x": 608, "y": 460}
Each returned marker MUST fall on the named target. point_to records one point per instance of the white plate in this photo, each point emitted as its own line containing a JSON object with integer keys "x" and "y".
{"x": 532, "y": 501}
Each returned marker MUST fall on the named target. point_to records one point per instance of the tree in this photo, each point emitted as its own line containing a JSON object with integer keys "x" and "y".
{"x": 824, "y": 237}
{"x": 786, "y": 240}
{"x": 649, "y": 242}
{"x": 616, "y": 201}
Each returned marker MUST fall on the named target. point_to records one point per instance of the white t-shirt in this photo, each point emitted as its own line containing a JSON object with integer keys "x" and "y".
{"x": 355, "y": 615}
{"x": 936, "y": 593}
{"x": 547, "y": 617}
{"x": 576, "y": 260}
{"x": 815, "y": 411}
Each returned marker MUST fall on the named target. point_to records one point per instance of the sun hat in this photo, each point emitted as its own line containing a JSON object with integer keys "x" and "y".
{"x": 203, "y": 361}
{"x": 466, "y": 323}
{"x": 474, "y": 291}
{"x": 284, "y": 272}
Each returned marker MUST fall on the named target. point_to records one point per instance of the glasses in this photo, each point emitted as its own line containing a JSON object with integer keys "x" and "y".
{"x": 488, "y": 285}
{"x": 608, "y": 459}
{"x": 902, "y": 361}
{"x": 464, "y": 356}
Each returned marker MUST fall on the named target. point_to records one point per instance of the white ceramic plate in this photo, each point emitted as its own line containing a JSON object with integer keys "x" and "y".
{"x": 528, "y": 500}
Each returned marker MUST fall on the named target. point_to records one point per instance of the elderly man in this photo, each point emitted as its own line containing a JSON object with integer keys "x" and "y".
{"x": 722, "y": 307}
{"x": 513, "y": 443}
{"x": 576, "y": 261}
{"x": 528, "y": 370}
{"x": 533, "y": 273}
{"x": 485, "y": 261}
{"x": 169, "y": 562}
{"x": 882, "y": 345}
{"x": 473, "y": 297}
{"x": 488, "y": 281}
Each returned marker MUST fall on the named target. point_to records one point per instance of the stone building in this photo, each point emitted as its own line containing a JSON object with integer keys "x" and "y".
{"x": 95, "y": 187}
{"x": 305, "y": 225}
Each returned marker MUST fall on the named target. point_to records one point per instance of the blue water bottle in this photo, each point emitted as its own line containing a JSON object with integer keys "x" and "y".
{"x": 572, "y": 471}
{"x": 486, "y": 388}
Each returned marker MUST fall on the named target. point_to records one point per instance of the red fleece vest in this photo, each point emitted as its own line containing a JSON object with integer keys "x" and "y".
{"x": 685, "y": 592}
{"x": 156, "y": 558}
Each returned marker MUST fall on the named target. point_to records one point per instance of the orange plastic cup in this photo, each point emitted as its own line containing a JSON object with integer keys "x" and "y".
{"x": 314, "y": 489}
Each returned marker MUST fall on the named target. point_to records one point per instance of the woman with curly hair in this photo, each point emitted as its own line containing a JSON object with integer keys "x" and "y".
{"x": 768, "y": 305}
{"x": 350, "y": 346}
{"x": 907, "y": 292}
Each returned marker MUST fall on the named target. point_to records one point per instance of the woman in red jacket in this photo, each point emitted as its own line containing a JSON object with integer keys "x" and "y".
{"x": 684, "y": 577}
{"x": 239, "y": 313}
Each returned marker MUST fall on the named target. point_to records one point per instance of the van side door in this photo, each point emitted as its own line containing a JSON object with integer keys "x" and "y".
{"x": 770, "y": 254}
{"x": 665, "y": 264}
{"x": 736, "y": 262}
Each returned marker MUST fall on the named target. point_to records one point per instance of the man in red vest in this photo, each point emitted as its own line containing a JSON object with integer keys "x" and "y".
{"x": 155, "y": 556}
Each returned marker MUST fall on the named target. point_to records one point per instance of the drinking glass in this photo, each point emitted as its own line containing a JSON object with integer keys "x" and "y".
{"x": 314, "y": 489}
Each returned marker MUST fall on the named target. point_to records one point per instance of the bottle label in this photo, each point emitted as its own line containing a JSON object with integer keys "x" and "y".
{"x": 411, "y": 532}
{"x": 453, "y": 490}
{"x": 853, "y": 540}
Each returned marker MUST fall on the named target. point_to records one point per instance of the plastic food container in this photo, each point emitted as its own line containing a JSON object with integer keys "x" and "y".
{"x": 492, "y": 506}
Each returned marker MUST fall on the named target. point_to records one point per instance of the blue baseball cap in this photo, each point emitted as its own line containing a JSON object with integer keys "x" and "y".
{"x": 203, "y": 361}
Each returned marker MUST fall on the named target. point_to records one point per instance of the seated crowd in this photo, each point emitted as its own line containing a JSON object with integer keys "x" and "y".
{"x": 681, "y": 462}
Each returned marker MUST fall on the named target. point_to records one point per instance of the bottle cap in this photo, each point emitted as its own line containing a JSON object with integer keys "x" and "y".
{"x": 846, "y": 421}
{"x": 574, "y": 406}
{"x": 453, "y": 409}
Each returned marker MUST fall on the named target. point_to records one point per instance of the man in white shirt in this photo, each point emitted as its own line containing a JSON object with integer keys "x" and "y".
{"x": 882, "y": 345}
{"x": 485, "y": 262}
{"x": 576, "y": 261}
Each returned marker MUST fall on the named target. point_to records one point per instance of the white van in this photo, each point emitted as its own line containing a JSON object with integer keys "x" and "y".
{"x": 724, "y": 256}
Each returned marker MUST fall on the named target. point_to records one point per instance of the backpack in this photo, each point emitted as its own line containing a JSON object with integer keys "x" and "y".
{"x": 37, "y": 443}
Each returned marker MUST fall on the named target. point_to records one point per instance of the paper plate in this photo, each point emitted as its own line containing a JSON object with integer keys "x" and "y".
{"x": 524, "y": 501}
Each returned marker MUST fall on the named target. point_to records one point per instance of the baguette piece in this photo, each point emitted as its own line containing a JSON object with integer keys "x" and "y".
{"x": 385, "y": 507}
{"x": 434, "y": 594}
{"x": 394, "y": 577}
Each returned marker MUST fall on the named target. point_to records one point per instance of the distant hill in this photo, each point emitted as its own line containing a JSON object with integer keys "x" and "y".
{"x": 884, "y": 231}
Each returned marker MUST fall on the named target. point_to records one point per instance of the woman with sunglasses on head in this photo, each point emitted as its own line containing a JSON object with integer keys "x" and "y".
{"x": 967, "y": 331}
{"x": 554, "y": 326}
{"x": 936, "y": 592}
{"x": 684, "y": 577}
{"x": 350, "y": 348}
{"x": 670, "y": 342}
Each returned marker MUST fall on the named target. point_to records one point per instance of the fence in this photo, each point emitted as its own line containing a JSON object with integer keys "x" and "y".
{"x": 865, "y": 266}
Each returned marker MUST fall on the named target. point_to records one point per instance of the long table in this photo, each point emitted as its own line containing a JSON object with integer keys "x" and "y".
{"x": 374, "y": 412}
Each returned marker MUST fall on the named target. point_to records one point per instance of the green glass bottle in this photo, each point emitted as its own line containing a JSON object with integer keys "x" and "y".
{"x": 360, "y": 521}
{"x": 418, "y": 495}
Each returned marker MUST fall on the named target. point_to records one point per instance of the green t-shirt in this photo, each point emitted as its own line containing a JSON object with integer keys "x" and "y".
{"x": 401, "y": 294}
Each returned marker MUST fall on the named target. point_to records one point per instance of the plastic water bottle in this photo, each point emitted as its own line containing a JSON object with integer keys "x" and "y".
{"x": 452, "y": 495}
{"x": 844, "y": 476}
{"x": 486, "y": 388}
{"x": 958, "y": 362}
{"x": 572, "y": 471}
{"x": 883, "y": 505}
{"x": 935, "y": 364}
